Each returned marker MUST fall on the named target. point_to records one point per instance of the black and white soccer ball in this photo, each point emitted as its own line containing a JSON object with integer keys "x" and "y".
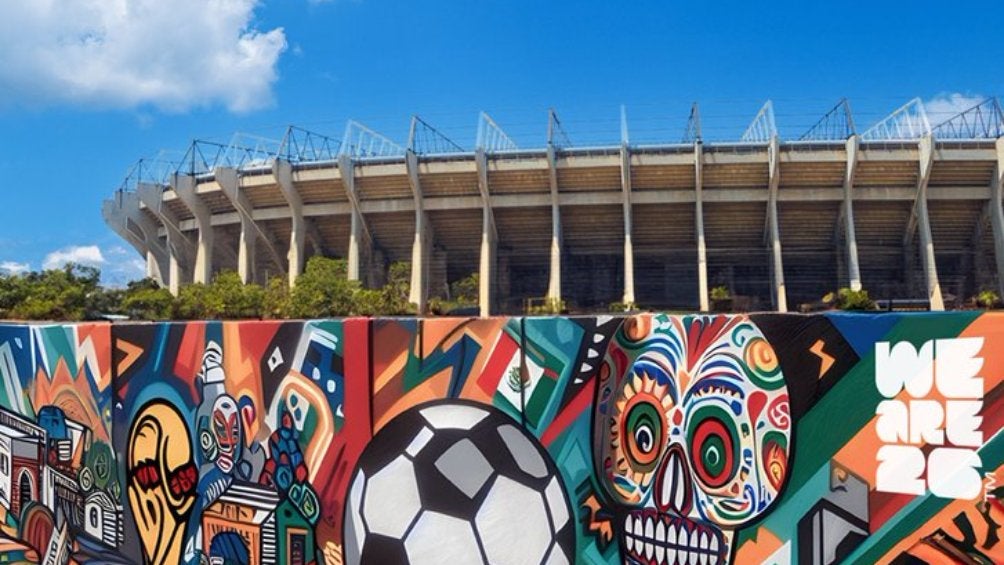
{"x": 456, "y": 482}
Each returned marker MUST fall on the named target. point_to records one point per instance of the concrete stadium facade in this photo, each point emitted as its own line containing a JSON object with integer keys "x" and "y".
{"x": 903, "y": 213}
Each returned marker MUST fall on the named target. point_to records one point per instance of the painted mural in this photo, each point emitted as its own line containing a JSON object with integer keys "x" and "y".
{"x": 648, "y": 440}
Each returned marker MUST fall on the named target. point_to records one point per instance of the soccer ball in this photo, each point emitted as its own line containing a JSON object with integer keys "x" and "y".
{"x": 456, "y": 482}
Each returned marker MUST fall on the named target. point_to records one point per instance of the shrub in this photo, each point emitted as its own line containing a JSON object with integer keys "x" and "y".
{"x": 852, "y": 300}
{"x": 720, "y": 293}
{"x": 987, "y": 298}
{"x": 550, "y": 306}
{"x": 622, "y": 307}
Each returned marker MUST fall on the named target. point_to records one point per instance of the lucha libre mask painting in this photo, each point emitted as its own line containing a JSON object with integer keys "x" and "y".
{"x": 691, "y": 435}
{"x": 226, "y": 433}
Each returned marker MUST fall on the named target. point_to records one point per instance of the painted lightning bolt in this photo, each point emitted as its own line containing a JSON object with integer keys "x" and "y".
{"x": 825, "y": 359}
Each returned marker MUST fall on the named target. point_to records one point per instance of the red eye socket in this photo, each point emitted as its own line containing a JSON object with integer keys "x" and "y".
{"x": 712, "y": 453}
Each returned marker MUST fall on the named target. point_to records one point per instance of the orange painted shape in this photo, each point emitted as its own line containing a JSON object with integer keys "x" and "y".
{"x": 758, "y": 549}
{"x": 132, "y": 353}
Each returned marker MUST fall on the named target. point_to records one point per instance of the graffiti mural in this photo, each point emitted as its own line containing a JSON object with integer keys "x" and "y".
{"x": 648, "y": 440}
{"x": 60, "y": 494}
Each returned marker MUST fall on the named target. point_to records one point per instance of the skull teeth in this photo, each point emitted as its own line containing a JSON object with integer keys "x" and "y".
{"x": 654, "y": 541}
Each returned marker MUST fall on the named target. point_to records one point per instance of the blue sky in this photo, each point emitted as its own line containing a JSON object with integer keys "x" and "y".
{"x": 88, "y": 87}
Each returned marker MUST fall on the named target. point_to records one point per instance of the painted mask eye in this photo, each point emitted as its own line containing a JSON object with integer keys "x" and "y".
{"x": 645, "y": 433}
{"x": 713, "y": 451}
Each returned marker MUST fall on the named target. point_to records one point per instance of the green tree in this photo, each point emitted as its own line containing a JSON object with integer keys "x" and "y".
{"x": 466, "y": 290}
{"x": 193, "y": 303}
{"x": 276, "y": 299}
{"x": 57, "y": 294}
{"x": 13, "y": 291}
{"x": 395, "y": 293}
{"x": 323, "y": 290}
{"x": 146, "y": 300}
{"x": 236, "y": 300}
{"x": 369, "y": 302}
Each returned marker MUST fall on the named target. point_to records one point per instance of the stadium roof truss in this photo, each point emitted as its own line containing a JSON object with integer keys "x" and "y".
{"x": 300, "y": 145}
{"x": 763, "y": 128}
{"x": 983, "y": 121}
{"x": 491, "y": 138}
{"x": 556, "y": 136}
{"x": 693, "y": 132}
{"x": 909, "y": 121}
{"x": 423, "y": 139}
{"x": 360, "y": 141}
{"x": 152, "y": 170}
{"x": 837, "y": 124}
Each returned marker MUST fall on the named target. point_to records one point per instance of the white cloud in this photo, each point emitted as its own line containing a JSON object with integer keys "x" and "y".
{"x": 14, "y": 268}
{"x": 945, "y": 106}
{"x": 122, "y": 266}
{"x": 173, "y": 54}
{"x": 81, "y": 254}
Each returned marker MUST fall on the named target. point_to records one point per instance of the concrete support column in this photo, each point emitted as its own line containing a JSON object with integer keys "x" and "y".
{"x": 184, "y": 187}
{"x": 997, "y": 215}
{"x": 702, "y": 251}
{"x": 774, "y": 232}
{"x": 173, "y": 269}
{"x": 360, "y": 242}
{"x": 554, "y": 276}
{"x": 355, "y": 235}
{"x": 251, "y": 231}
{"x": 178, "y": 247}
{"x": 123, "y": 215}
{"x": 628, "y": 297}
{"x": 486, "y": 267}
{"x": 489, "y": 239}
{"x": 853, "y": 268}
{"x": 923, "y": 225}
{"x": 246, "y": 252}
{"x": 282, "y": 171}
{"x": 418, "y": 291}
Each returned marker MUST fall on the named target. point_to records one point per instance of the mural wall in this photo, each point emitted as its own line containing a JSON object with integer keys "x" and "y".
{"x": 652, "y": 440}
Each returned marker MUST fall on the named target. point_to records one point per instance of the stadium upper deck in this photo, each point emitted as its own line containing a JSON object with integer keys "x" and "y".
{"x": 905, "y": 209}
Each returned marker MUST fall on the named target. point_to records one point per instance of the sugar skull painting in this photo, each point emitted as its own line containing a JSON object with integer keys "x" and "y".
{"x": 691, "y": 435}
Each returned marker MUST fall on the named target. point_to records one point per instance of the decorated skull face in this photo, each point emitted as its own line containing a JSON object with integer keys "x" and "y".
{"x": 691, "y": 434}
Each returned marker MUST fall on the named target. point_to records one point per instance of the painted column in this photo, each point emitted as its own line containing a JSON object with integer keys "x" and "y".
{"x": 118, "y": 213}
{"x": 418, "y": 291}
{"x": 777, "y": 264}
{"x": 283, "y": 172}
{"x": 359, "y": 237}
{"x": 554, "y": 277}
{"x": 997, "y": 215}
{"x": 927, "y": 256}
{"x": 184, "y": 187}
{"x": 229, "y": 182}
{"x": 178, "y": 247}
{"x": 702, "y": 250}
{"x": 355, "y": 234}
{"x": 489, "y": 237}
{"x": 629, "y": 298}
{"x": 486, "y": 268}
{"x": 853, "y": 268}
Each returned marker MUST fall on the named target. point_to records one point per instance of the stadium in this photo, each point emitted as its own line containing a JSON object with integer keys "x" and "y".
{"x": 908, "y": 209}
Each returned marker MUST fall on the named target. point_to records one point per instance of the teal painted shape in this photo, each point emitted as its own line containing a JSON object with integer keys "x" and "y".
{"x": 848, "y": 407}
{"x": 55, "y": 343}
{"x": 552, "y": 343}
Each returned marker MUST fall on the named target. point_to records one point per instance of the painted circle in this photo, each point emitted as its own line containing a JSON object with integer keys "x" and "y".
{"x": 644, "y": 431}
{"x": 712, "y": 453}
